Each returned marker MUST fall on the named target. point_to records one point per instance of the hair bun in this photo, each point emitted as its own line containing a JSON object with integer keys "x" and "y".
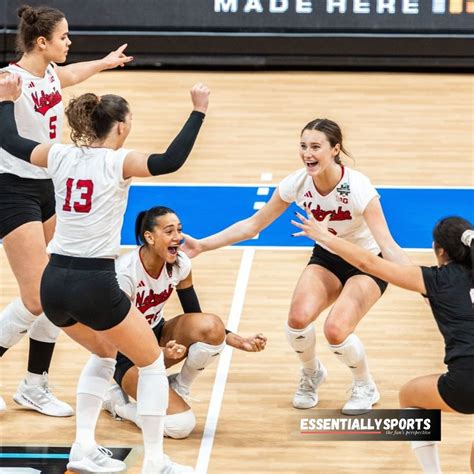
{"x": 28, "y": 14}
{"x": 467, "y": 237}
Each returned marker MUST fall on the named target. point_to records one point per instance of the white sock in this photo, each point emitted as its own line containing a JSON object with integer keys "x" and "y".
{"x": 200, "y": 355}
{"x": 427, "y": 454}
{"x": 33, "y": 379}
{"x": 91, "y": 389}
{"x": 352, "y": 353}
{"x": 128, "y": 411}
{"x": 15, "y": 320}
{"x": 152, "y": 402}
{"x": 303, "y": 342}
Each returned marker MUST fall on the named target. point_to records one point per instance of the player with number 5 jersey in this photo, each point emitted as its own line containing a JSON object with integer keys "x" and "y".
{"x": 79, "y": 288}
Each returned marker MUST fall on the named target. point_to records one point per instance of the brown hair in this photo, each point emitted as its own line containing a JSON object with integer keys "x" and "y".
{"x": 91, "y": 117}
{"x": 35, "y": 22}
{"x": 332, "y": 131}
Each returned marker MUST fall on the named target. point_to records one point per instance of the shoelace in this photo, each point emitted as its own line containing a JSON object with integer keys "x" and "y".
{"x": 359, "y": 390}
{"x": 306, "y": 382}
{"x": 46, "y": 388}
{"x": 104, "y": 451}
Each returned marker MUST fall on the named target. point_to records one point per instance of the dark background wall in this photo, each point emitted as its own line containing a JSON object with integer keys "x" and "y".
{"x": 246, "y": 33}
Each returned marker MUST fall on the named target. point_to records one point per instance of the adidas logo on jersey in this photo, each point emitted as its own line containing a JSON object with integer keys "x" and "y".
{"x": 308, "y": 194}
{"x": 141, "y": 284}
{"x": 31, "y": 85}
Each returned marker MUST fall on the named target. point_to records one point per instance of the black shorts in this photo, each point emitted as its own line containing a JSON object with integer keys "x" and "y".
{"x": 124, "y": 363}
{"x": 24, "y": 200}
{"x": 340, "y": 267}
{"x": 83, "y": 290}
{"x": 456, "y": 386}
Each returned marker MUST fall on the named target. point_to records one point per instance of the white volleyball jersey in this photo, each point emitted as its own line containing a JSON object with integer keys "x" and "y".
{"x": 39, "y": 115}
{"x": 149, "y": 294}
{"x": 91, "y": 196}
{"x": 346, "y": 202}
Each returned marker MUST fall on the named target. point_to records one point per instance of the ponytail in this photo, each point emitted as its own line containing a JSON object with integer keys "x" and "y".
{"x": 92, "y": 117}
{"x": 138, "y": 227}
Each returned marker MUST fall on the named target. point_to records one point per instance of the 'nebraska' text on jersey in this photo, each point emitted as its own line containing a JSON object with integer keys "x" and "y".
{"x": 346, "y": 204}
{"x": 39, "y": 114}
{"x": 150, "y": 294}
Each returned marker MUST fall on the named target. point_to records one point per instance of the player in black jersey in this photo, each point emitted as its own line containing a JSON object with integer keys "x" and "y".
{"x": 448, "y": 288}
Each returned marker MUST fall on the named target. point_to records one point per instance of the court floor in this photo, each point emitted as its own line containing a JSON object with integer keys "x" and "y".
{"x": 404, "y": 130}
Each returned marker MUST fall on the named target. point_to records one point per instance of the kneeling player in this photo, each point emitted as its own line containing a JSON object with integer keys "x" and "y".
{"x": 148, "y": 275}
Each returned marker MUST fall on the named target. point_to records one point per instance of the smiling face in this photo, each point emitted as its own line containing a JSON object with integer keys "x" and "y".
{"x": 56, "y": 48}
{"x": 316, "y": 152}
{"x": 165, "y": 237}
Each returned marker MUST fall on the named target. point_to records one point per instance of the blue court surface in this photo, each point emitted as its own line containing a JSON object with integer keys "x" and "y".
{"x": 411, "y": 212}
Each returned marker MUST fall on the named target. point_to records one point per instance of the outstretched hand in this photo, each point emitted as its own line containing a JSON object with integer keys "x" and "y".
{"x": 117, "y": 58}
{"x": 310, "y": 227}
{"x": 200, "y": 97}
{"x": 10, "y": 87}
{"x": 255, "y": 343}
{"x": 173, "y": 350}
{"x": 191, "y": 246}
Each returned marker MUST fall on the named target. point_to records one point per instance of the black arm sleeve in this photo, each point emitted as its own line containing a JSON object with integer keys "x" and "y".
{"x": 189, "y": 300}
{"x": 9, "y": 138}
{"x": 177, "y": 153}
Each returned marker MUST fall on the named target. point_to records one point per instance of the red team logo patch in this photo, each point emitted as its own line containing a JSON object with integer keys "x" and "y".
{"x": 44, "y": 102}
{"x": 145, "y": 302}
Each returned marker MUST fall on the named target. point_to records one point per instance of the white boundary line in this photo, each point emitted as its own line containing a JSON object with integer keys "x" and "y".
{"x": 215, "y": 403}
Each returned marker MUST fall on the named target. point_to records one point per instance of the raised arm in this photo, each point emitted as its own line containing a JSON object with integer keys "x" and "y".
{"x": 405, "y": 276}
{"x": 241, "y": 230}
{"x": 22, "y": 148}
{"x": 144, "y": 165}
{"x": 78, "y": 72}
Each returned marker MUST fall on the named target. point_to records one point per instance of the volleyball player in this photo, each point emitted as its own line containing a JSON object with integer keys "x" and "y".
{"x": 448, "y": 287}
{"x": 327, "y": 187}
{"x": 148, "y": 275}
{"x": 27, "y": 215}
{"x": 79, "y": 289}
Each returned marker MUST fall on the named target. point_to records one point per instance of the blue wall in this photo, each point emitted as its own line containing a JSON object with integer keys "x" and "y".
{"x": 203, "y": 210}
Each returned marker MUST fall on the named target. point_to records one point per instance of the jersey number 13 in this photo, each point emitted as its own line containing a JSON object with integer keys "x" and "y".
{"x": 85, "y": 200}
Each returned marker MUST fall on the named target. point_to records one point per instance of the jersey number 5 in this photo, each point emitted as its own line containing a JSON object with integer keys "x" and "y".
{"x": 86, "y": 197}
{"x": 52, "y": 127}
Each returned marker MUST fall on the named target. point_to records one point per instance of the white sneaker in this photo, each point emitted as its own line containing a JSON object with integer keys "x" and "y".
{"x": 306, "y": 395}
{"x": 3, "y": 406}
{"x": 182, "y": 391}
{"x": 168, "y": 467}
{"x": 114, "y": 397}
{"x": 364, "y": 395}
{"x": 171, "y": 467}
{"x": 98, "y": 459}
{"x": 40, "y": 398}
